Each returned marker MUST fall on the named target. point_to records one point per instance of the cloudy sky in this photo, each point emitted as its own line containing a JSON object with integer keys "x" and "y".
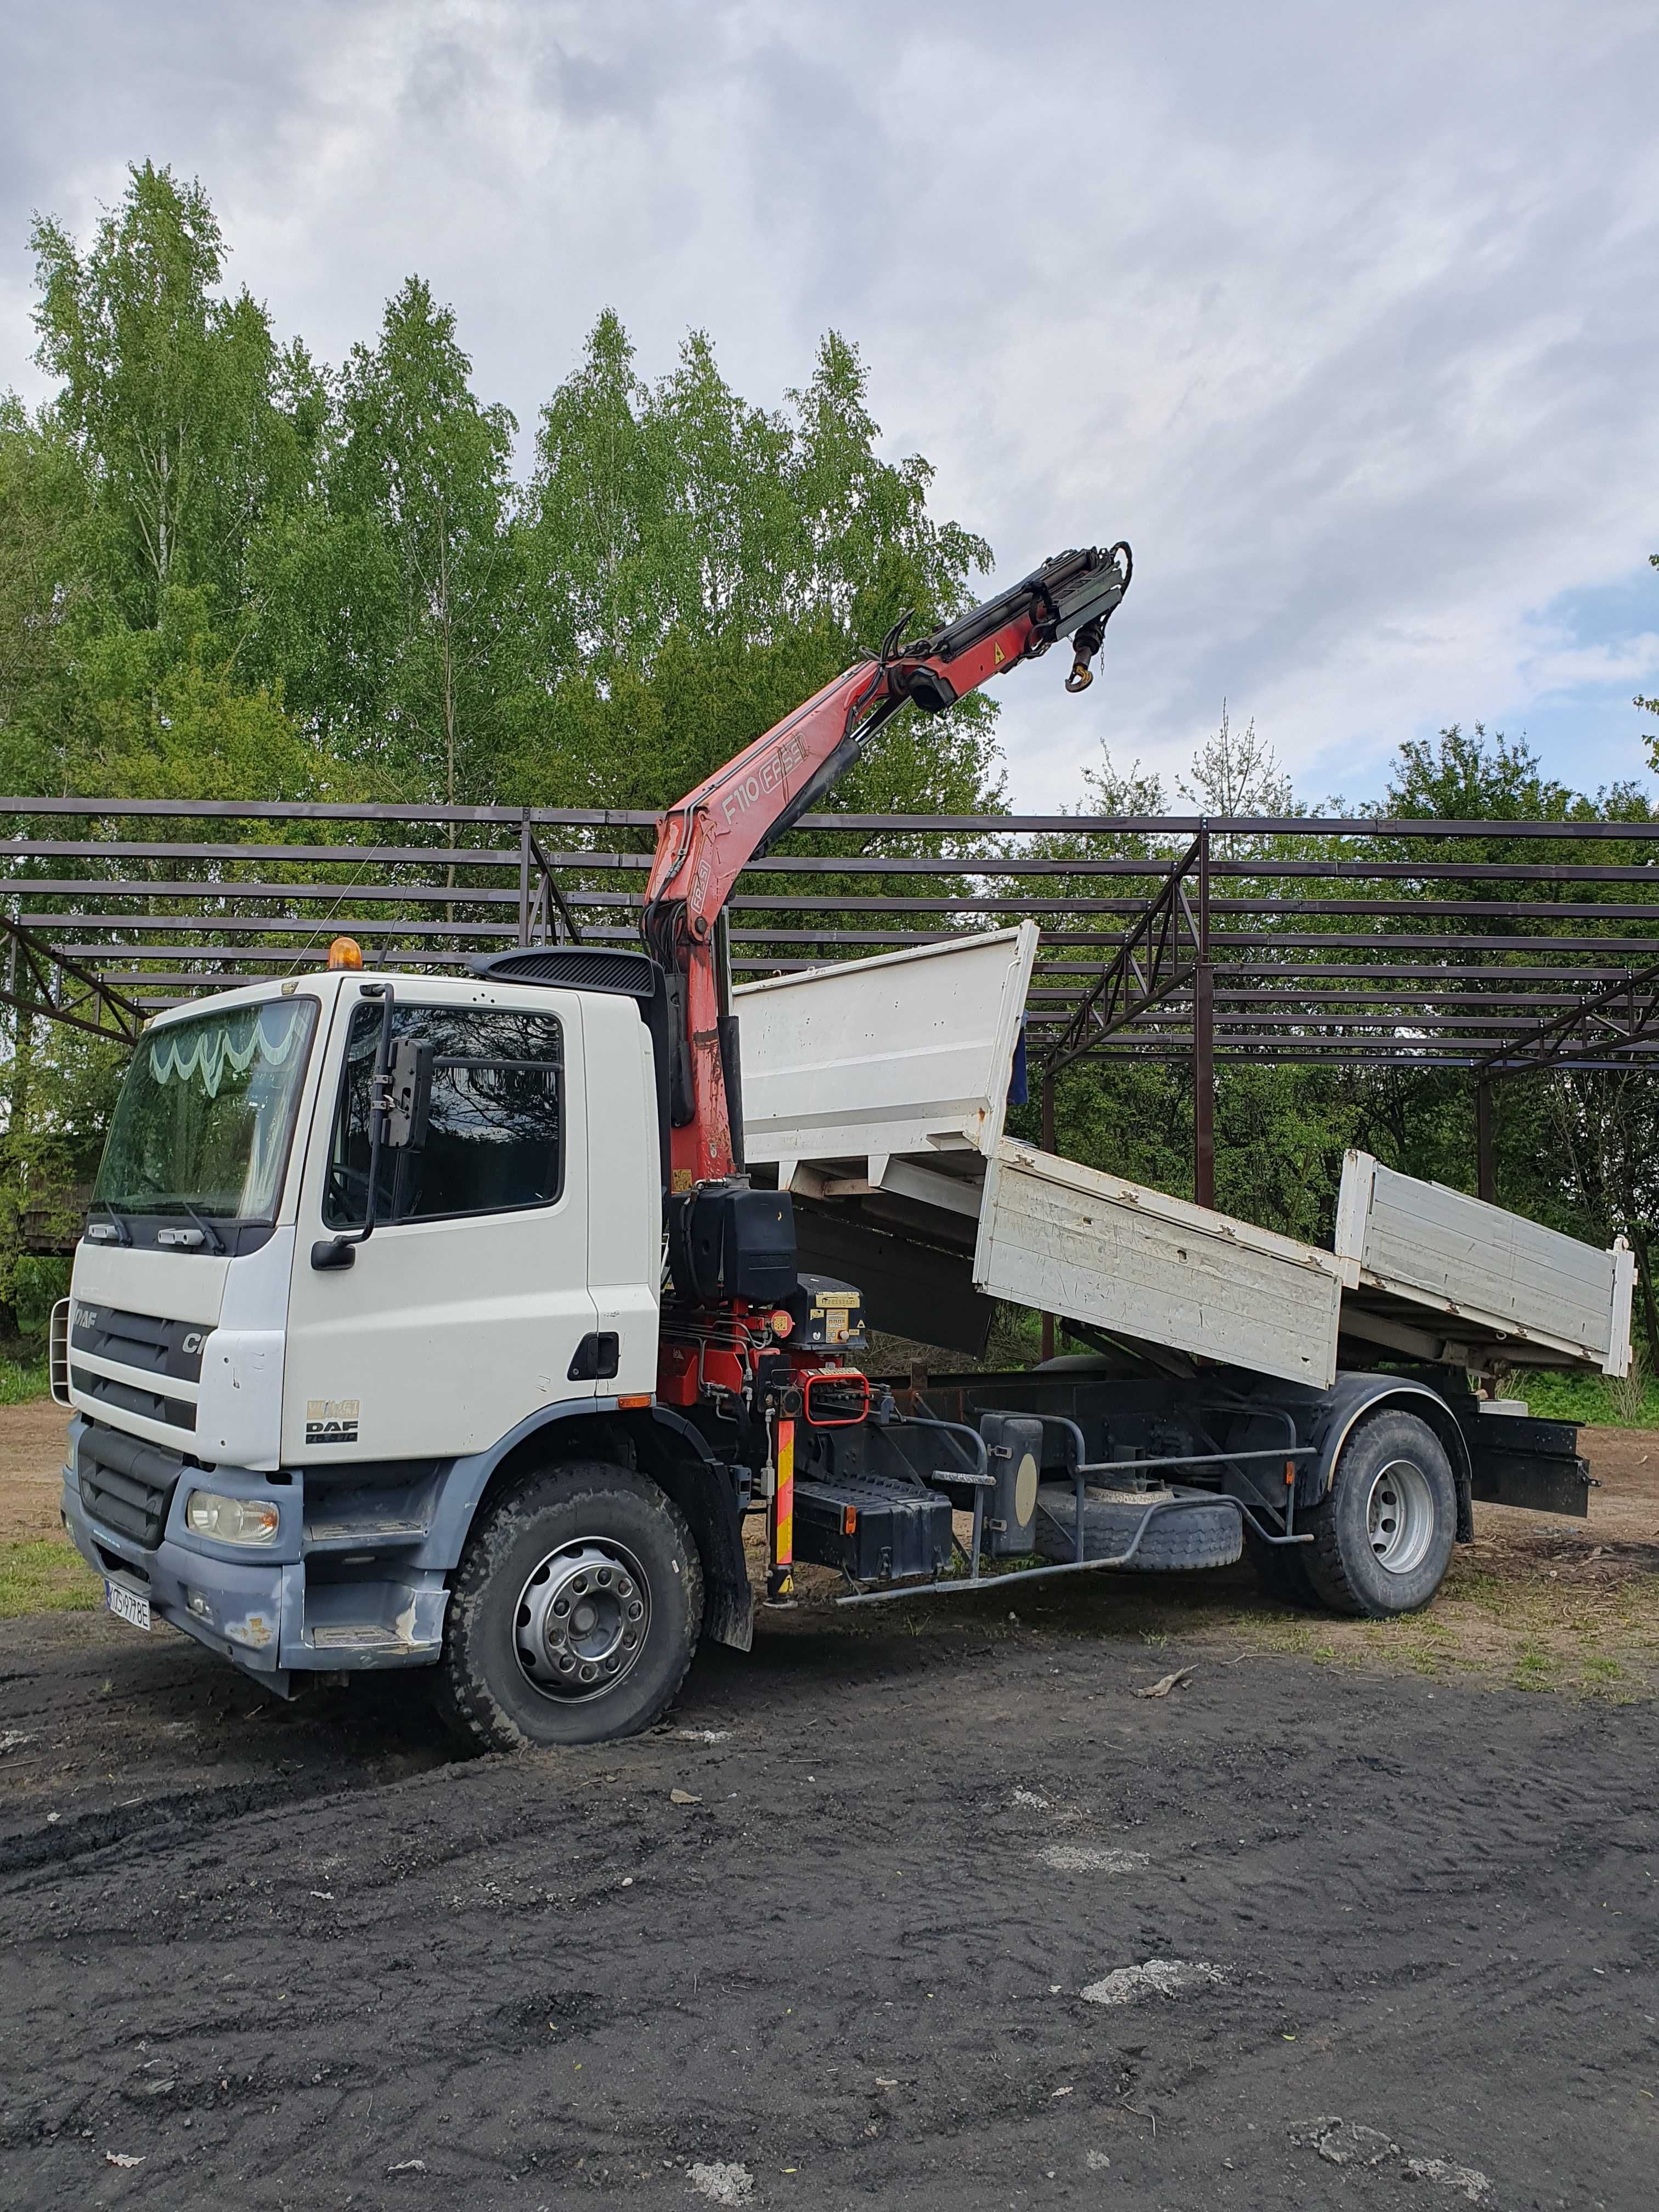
{"x": 1347, "y": 316}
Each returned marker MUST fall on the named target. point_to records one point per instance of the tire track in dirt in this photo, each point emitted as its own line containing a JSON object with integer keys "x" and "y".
{"x": 848, "y": 1958}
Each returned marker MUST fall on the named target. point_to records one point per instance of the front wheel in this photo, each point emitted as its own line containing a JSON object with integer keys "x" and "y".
{"x": 575, "y": 1612}
{"x": 1383, "y": 1539}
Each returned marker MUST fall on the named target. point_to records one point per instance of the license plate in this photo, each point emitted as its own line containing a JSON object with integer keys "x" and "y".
{"x": 126, "y": 1605}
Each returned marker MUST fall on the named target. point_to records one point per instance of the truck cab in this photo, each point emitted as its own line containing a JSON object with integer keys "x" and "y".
{"x": 284, "y": 1427}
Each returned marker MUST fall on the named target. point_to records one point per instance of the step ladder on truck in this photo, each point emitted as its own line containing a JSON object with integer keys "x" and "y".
{"x": 462, "y": 1323}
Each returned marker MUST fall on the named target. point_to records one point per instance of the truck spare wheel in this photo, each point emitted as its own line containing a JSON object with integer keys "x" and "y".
{"x": 575, "y": 1614}
{"x": 1198, "y": 1536}
{"x": 1384, "y": 1535}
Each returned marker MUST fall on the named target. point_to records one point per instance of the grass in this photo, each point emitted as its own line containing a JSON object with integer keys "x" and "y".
{"x": 21, "y": 1381}
{"x": 1590, "y": 1399}
{"x": 45, "y": 1574}
{"x": 1535, "y": 1669}
{"x": 1509, "y": 1616}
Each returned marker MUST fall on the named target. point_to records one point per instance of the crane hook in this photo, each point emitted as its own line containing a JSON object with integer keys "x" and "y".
{"x": 1087, "y": 642}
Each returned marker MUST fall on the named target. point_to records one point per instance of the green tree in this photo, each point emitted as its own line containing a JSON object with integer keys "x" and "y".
{"x": 43, "y": 587}
{"x": 188, "y": 421}
{"x": 695, "y": 566}
{"x": 385, "y": 603}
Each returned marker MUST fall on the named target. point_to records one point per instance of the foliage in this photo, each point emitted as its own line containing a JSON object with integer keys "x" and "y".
{"x": 228, "y": 571}
{"x": 1590, "y": 1399}
{"x": 187, "y": 421}
{"x": 1236, "y": 774}
{"x": 382, "y": 601}
{"x": 45, "y": 1574}
{"x": 38, "y": 1281}
{"x": 21, "y": 1382}
{"x": 693, "y": 567}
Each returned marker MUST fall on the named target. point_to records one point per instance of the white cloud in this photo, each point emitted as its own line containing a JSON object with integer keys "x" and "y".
{"x": 1345, "y": 317}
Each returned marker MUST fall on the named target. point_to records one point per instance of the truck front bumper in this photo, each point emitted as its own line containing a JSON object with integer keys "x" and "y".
{"x": 261, "y": 1612}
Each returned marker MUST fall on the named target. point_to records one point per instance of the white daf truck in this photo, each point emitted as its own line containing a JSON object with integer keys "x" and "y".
{"x": 319, "y": 1435}
{"x": 443, "y": 1323}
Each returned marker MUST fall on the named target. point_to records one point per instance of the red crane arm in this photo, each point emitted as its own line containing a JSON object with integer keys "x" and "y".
{"x": 706, "y": 839}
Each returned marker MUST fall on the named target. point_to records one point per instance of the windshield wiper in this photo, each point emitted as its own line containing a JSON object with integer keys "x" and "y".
{"x": 210, "y": 1233}
{"x": 122, "y": 1228}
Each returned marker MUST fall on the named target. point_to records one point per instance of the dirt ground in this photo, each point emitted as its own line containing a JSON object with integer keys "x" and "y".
{"x": 1399, "y": 1880}
{"x": 31, "y": 1454}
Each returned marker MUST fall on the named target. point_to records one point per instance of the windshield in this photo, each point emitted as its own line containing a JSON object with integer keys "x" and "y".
{"x": 205, "y": 1114}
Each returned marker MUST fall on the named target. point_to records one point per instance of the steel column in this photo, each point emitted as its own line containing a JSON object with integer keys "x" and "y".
{"x": 1204, "y": 1039}
{"x": 1047, "y": 1338}
{"x": 1486, "y": 1162}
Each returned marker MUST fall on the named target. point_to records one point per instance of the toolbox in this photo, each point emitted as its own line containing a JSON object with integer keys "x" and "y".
{"x": 874, "y": 1529}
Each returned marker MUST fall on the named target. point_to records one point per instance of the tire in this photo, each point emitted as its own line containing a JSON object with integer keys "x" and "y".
{"x": 1383, "y": 1536}
{"x": 575, "y": 1613}
{"x": 1282, "y": 1572}
{"x": 1204, "y": 1535}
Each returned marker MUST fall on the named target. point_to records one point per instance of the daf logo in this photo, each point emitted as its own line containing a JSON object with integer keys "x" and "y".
{"x": 86, "y": 1316}
{"x": 331, "y": 1420}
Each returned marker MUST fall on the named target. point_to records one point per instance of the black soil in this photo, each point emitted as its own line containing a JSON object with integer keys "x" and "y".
{"x": 296, "y": 1956}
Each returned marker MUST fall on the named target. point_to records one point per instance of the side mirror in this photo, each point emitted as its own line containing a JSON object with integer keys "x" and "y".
{"x": 410, "y": 1107}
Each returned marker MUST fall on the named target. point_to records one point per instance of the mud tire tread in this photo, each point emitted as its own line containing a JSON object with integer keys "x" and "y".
{"x": 1340, "y": 1568}
{"x": 465, "y": 1700}
{"x": 1180, "y": 1544}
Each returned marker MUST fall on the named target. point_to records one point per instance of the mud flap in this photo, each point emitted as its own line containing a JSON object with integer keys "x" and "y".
{"x": 1534, "y": 1464}
{"x": 703, "y": 1493}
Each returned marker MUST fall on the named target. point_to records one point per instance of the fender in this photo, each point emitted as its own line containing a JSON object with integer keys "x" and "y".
{"x": 670, "y": 1451}
{"x": 1349, "y": 1398}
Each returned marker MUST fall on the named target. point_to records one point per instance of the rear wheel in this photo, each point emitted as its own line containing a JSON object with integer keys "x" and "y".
{"x": 575, "y": 1614}
{"x": 1383, "y": 1539}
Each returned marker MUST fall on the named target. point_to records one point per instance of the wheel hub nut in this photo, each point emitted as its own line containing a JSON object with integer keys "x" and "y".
{"x": 582, "y": 1620}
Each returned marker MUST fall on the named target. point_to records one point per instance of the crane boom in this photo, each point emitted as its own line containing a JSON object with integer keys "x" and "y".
{"x": 705, "y": 840}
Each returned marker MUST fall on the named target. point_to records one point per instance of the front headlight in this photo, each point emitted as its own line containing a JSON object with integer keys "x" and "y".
{"x": 232, "y": 1520}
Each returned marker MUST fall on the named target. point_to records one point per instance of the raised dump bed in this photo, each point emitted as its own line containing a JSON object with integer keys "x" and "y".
{"x": 877, "y": 1090}
{"x": 1427, "y": 1271}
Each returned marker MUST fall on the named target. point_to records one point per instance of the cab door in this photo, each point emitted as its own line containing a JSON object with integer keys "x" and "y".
{"x": 463, "y": 1311}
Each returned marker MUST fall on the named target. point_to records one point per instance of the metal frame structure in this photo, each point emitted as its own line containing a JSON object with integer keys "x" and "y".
{"x": 41, "y": 980}
{"x": 1495, "y": 948}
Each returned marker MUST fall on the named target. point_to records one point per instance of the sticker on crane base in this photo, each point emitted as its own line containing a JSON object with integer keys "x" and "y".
{"x": 331, "y": 1420}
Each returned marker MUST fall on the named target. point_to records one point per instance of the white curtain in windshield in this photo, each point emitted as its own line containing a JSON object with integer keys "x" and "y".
{"x": 206, "y": 1113}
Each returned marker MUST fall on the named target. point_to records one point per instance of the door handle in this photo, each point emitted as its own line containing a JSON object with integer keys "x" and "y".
{"x": 597, "y": 1357}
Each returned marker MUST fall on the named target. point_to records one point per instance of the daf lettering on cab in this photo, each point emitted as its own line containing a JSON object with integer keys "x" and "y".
{"x": 434, "y": 1322}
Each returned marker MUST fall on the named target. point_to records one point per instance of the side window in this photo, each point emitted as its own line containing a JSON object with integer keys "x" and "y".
{"x": 496, "y": 1136}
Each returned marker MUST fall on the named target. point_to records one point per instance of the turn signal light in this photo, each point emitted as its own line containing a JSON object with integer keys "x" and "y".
{"x": 232, "y": 1520}
{"x": 345, "y": 952}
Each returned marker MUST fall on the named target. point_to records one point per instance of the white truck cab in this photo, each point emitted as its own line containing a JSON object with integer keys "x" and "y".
{"x": 266, "y": 1397}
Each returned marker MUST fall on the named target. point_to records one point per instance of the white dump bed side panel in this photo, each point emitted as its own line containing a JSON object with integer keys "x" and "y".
{"x": 1071, "y": 1241}
{"x": 908, "y": 1053}
{"x": 1486, "y": 1268}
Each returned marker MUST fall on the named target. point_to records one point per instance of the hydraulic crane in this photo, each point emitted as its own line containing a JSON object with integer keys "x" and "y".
{"x": 738, "y": 1339}
{"x": 734, "y": 817}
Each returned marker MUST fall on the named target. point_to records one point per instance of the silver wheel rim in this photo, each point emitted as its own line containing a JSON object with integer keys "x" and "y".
{"x": 1400, "y": 1517}
{"x": 582, "y": 1618}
